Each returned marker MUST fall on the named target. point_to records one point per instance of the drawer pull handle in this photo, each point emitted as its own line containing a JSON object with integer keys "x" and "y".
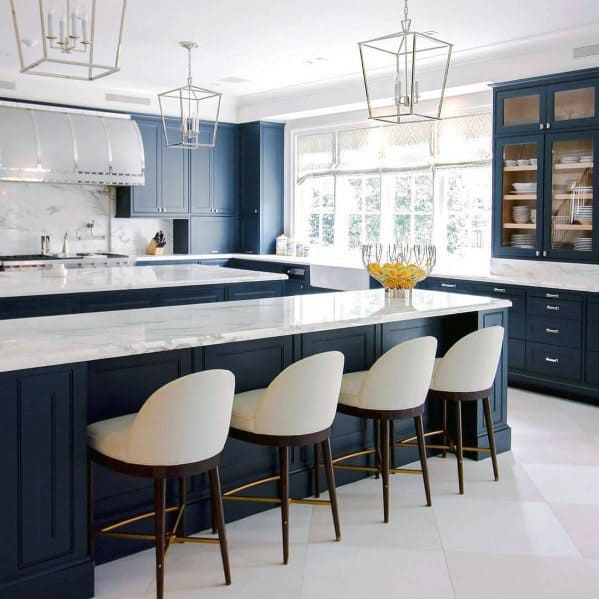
{"x": 449, "y": 285}
{"x": 552, "y": 295}
{"x": 498, "y": 290}
{"x": 552, "y": 331}
{"x": 551, "y": 360}
{"x": 552, "y": 308}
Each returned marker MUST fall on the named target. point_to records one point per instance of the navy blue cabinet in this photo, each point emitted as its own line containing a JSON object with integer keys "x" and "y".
{"x": 226, "y": 173}
{"x": 43, "y": 514}
{"x": 201, "y": 171}
{"x": 213, "y": 234}
{"x": 261, "y": 208}
{"x": 174, "y": 199}
{"x": 546, "y": 136}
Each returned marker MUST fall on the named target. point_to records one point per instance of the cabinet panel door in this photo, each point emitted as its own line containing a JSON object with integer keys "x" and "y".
{"x": 251, "y": 151}
{"x": 571, "y": 189}
{"x": 518, "y": 196}
{"x": 242, "y": 291}
{"x": 213, "y": 234}
{"x": 146, "y": 198}
{"x": 201, "y": 167}
{"x": 520, "y": 111}
{"x": 250, "y": 234}
{"x": 174, "y": 198}
{"x": 44, "y": 446}
{"x": 226, "y": 173}
{"x": 573, "y": 105}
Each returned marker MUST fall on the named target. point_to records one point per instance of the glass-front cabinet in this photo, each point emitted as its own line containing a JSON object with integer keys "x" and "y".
{"x": 520, "y": 193}
{"x": 568, "y": 105}
{"x": 570, "y": 192}
{"x": 546, "y": 133}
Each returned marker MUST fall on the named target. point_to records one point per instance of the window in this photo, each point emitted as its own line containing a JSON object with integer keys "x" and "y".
{"x": 426, "y": 182}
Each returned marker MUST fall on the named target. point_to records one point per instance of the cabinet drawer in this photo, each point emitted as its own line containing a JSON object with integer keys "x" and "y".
{"x": 555, "y": 308}
{"x": 244, "y": 291}
{"x": 593, "y": 310}
{"x": 552, "y": 361}
{"x": 554, "y": 331}
{"x": 592, "y": 368}
{"x": 516, "y": 355}
{"x": 554, "y": 294}
{"x": 451, "y": 285}
{"x": 515, "y": 295}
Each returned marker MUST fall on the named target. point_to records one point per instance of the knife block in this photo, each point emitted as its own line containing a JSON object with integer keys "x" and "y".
{"x": 152, "y": 249}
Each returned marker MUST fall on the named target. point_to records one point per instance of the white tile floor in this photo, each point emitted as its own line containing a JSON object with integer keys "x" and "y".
{"x": 536, "y": 532}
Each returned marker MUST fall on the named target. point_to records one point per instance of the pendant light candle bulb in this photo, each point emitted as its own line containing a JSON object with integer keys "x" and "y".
{"x": 74, "y": 24}
{"x": 50, "y": 25}
{"x": 61, "y": 30}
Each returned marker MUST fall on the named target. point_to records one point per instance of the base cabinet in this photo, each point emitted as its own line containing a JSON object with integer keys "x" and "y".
{"x": 43, "y": 442}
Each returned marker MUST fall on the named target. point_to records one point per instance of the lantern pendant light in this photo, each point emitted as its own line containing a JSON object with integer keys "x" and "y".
{"x": 394, "y": 67}
{"x": 190, "y": 103}
{"x": 70, "y": 39}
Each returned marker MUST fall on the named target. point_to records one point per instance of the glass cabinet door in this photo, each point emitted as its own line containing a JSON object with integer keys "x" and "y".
{"x": 570, "y": 218}
{"x": 521, "y": 111}
{"x": 573, "y": 105}
{"x": 520, "y": 187}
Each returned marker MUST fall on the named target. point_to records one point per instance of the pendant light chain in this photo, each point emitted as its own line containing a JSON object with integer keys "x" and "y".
{"x": 189, "y": 66}
{"x": 407, "y": 22}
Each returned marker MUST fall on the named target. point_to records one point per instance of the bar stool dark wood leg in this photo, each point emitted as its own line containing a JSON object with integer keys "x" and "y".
{"x": 159, "y": 501}
{"x": 491, "y": 435}
{"x": 213, "y": 512}
{"x": 384, "y": 424}
{"x": 392, "y": 442}
{"x": 182, "y": 494}
{"x": 316, "y": 471}
{"x": 423, "y": 461}
{"x": 444, "y": 451}
{"x": 284, "y": 466}
{"x": 328, "y": 460}
{"x": 217, "y": 500}
{"x": 90, "y": 508}
{"x": 459, "y": 444}
{"x": 377, "y": 445}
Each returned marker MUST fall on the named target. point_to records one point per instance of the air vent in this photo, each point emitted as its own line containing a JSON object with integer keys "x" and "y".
{"x": 585, "y": 51}
{"x": 233, "y": 79}
{"x": 7, "y": 85}
{"x": 124, "y": 99}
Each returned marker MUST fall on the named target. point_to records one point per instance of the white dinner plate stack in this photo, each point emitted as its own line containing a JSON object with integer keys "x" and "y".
{"x": 569, "y": 159}
{"x": 586, "y": 158}
{"x": 583, "y": 244}
{"x": 522, "y": 240}
{"x": 584, "y": 215}
{"x": 520, "y": 214}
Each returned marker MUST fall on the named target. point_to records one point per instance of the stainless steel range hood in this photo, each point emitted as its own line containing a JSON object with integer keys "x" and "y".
{"x": 53, "y": 146}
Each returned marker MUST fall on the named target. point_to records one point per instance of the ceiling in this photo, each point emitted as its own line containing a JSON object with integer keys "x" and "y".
{"x": 268, "y": 42}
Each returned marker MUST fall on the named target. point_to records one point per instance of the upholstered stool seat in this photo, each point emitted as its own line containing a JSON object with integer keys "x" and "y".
{"x": 180, "y": 431}
{"x": 297, "y": 408}
{"x": 394, "y": 388}
{"x": 466, "y": 373}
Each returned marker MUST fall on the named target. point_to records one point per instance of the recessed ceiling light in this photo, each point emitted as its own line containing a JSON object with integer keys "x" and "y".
{"x": 314, "y": 60}
{"x": 233, "y": 79}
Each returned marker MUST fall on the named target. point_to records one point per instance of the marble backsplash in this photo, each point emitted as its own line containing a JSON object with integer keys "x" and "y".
{"x": 29, "y": 210}
{"x": 566, "y": 273}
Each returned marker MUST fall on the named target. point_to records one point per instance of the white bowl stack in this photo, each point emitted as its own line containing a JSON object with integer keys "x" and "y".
{"x": 520, "y": 214}
{"x": 584, "y": 215}
{"x": 583, "y": 244}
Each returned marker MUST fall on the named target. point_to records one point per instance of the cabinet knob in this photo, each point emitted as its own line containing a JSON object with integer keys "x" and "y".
{"x": 541, "y": 126}
{"x": 537, "y": 253}
{"x": 548, "y": 126}
{"x": 255, "y": 210}
{"x": 545, "y": 253}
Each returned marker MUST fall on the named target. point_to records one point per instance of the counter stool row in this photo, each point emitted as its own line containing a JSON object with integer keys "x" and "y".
{"x": 297, "y": 409}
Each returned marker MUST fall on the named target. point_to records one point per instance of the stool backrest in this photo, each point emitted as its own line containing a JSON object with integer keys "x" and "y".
{"x": 400, "y": 378}
{"x": 471, "y": 363}
{"x": 303, "y": 398}
{"x": 185, "y": 421}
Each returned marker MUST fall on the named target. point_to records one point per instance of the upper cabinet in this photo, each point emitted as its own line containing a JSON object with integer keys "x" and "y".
{"x": 165, "y": 192}
{"x": 262, "y": 152}
{"x": 531, "y": 107}
{"x": 546, "y": 148}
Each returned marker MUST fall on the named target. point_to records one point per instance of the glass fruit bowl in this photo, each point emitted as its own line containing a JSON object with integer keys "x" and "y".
{"x": 403, "y": 268}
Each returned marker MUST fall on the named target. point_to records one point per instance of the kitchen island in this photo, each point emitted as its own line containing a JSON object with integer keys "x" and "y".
{"x": 59, "y": 373}
{"x": 26, "y": 293}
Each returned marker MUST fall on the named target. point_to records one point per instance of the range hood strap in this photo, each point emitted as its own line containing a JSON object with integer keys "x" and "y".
{"x": 38, "y": 143}
{"x": 108, "y": 144}
{"x": 75, "y": 150}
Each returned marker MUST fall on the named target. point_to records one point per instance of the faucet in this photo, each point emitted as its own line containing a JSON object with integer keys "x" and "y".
{"x": 45, "y": 250}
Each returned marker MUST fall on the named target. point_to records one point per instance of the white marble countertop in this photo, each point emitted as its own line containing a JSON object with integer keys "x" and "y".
{"x": 43, "y": 341}
{"x": 535, "y": 276}
{"x": 117, "y": 278}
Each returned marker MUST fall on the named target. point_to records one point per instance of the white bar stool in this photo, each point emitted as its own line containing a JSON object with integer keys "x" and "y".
{"x": 180, "y": 431}
{"x": 297, "y": 408}
{"x": 394, "y": 388}
{"x": 466, "y": 373}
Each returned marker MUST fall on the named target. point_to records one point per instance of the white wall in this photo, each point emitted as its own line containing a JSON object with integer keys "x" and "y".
{"x": 28, "y": 210}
